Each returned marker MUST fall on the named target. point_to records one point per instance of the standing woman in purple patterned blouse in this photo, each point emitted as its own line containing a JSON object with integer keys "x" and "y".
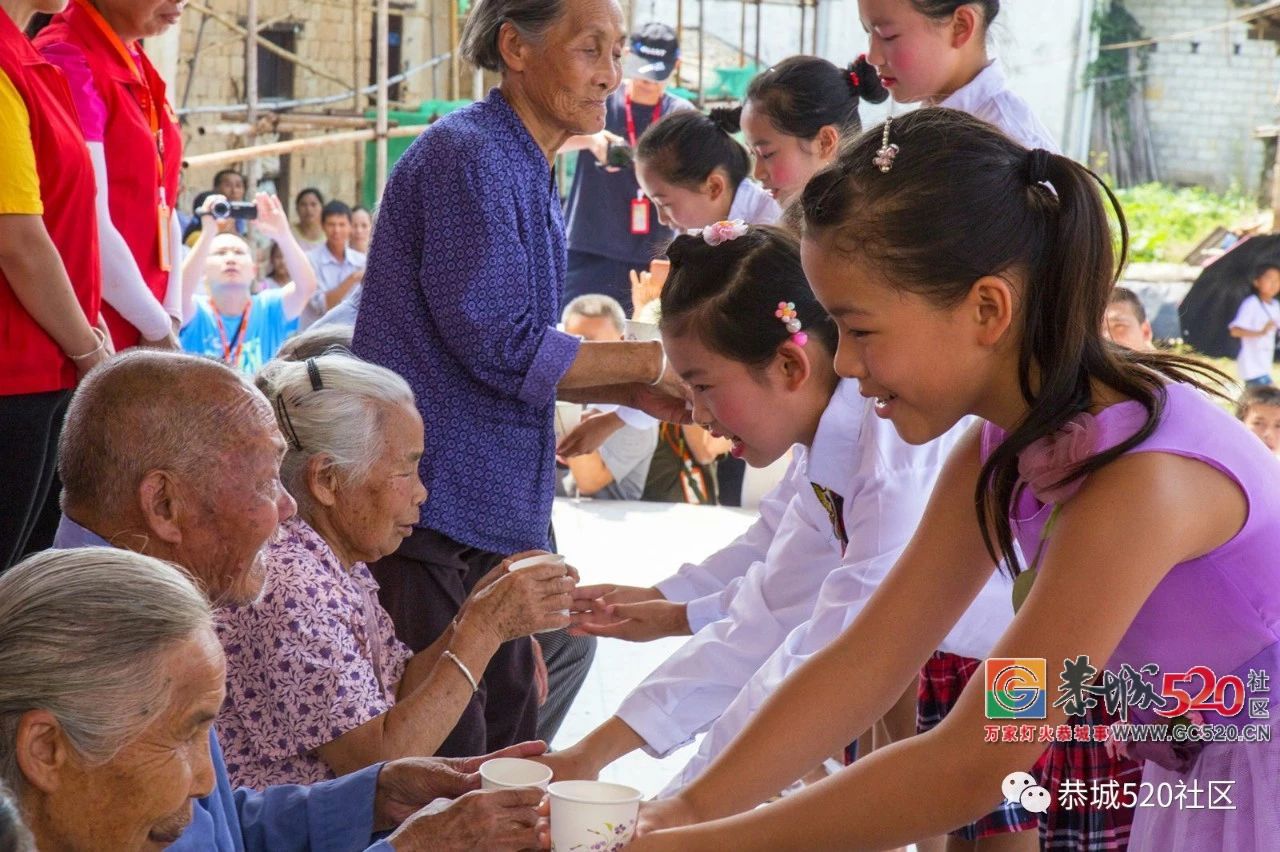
{"x": 461, "y": 298}
{"x": 317, "y": 683}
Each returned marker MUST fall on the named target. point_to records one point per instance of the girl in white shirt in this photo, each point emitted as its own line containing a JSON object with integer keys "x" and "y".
{"x": 696, "y": 173}
{"x": 741, "y": 325}
{"x": 795, "y": 115}
{"x": 934, "y": 53}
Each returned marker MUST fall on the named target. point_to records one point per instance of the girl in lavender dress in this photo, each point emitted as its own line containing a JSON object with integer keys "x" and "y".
{"x": 969, "y": 275}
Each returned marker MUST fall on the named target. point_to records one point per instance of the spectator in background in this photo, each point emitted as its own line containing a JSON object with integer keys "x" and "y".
{"x": 339, "y": 268}
{"x": 136, "y": 148}
{"x": 1126, "y": 321}
{"x": 1255, "y": 325}
{"x": 1259, "y": 409}
{"x": 612, "y": 227}
{"x": 277, "y": 274}
{"x": 307, "y": 206}
{"x": 237, "y": 328}
{"x": 50, "y": 286}
{"x": 617, "y": 470}
{"x": 361, "y": 229}
{"x": 230, "y": 184}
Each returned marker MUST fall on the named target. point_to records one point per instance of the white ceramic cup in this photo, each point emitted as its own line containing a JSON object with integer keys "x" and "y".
{"x": 533, "y": 561}
{"x": 502, "y": 773}
{"x": 637, "y": 330}
{"x": 593, "y": 815}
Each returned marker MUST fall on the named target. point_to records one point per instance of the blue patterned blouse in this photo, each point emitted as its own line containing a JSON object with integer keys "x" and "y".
{"x": 461, "y": 295}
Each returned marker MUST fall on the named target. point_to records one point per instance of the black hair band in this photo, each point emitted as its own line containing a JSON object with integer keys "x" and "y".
{"x": 313, "y": 373}
{"x": 1038, "y": 165}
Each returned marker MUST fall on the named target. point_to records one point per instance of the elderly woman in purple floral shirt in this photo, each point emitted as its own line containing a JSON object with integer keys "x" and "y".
{"x": 317, "y": 683}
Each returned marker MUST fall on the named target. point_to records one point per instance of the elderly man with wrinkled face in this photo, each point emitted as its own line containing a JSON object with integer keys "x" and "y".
{"x": 178, "y": 457}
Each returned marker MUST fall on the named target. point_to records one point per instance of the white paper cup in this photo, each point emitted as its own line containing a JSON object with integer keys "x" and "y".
{"x": 568, "y": 416}
{"x": 533, "y": 561}
{"x": 503, "y": 773}
{"x": 637, "y": 330}
{"x": 592, "y": 815}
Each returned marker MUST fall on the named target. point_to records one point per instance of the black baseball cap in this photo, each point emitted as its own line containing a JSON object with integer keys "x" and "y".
{"x": 654, "y": 51}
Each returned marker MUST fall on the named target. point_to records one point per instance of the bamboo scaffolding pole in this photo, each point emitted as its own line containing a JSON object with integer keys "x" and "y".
{"x": 272, "y": 149}
{"x": 380, "y": 145}
{"x": 251, "y": 87}
{"x": 267, "y": 45}
{"x": 239, "y": 39}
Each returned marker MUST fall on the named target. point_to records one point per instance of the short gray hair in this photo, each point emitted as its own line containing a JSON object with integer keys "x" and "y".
{"x": 596, "y": 306}
{"x": 148, "y": 410}
{"x": 316, "y": 341}
{"x": 82, "y": 636}
{"x": 479, "y": 42}
{"x": 343, "y": 420}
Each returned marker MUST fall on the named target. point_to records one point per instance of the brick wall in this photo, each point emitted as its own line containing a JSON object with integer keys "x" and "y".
{"x": 1205, "y": 96}
{"x": 329, "y": 36}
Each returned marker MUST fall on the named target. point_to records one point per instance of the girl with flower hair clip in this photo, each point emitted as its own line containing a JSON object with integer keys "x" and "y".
{"x": 742, "y": 327}
{"x": 1002, "y": 260}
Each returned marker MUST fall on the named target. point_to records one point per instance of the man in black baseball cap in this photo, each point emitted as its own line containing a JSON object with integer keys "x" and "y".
{"x": 655, "y": 51}
{"x": 612, "y": 228}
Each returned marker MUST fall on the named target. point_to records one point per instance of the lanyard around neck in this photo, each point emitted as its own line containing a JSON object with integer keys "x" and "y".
{"x": 113, "y": 39}
{"x": 237, "y": 342}
{"x": 631, "y": 119}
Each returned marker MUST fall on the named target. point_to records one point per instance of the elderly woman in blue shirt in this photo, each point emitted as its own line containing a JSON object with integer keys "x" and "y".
{"x": 461, "y": 296}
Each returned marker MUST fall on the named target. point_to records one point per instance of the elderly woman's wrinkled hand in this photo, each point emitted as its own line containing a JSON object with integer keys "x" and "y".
{"x": 667, "y": 400}
{"x": 493, "y": 820}
{"x": 522, "y": 602}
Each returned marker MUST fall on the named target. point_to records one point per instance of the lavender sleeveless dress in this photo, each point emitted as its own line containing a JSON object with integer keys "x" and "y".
{"x": 1221, "y": 610}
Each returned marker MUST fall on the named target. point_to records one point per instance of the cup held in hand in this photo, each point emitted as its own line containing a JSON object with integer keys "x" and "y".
{"x": 502, "y": 773}
{"x": 592, "y": 815}
{"x": 535, "y": 561}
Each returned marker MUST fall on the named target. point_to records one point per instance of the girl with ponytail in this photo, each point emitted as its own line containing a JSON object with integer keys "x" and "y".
{"x": 697, "y": 174}
{"x": 934, "y": 52}
{"x": 796, "y": 113}
{"x": 969, "y": 276}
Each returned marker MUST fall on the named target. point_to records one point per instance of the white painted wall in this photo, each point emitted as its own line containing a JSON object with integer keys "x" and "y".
{"x": 1036, "y": 39}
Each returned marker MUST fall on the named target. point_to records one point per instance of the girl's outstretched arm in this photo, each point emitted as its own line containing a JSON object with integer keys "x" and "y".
{"x": 844, "y": 688}
{"x": 931, "y": 783}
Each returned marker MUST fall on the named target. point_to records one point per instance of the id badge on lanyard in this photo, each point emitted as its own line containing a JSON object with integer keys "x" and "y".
{"x": 162, "y": 214}
{"x": 640, "y": 214}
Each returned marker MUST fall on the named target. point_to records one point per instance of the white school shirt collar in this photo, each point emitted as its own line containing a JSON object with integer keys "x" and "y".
{"x": 988, "y": 97}
{"x": 753, "y": 205}
{"x": 836, "y": 441}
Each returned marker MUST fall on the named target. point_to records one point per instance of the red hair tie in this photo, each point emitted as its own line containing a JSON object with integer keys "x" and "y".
{"x": 853, "y": 77}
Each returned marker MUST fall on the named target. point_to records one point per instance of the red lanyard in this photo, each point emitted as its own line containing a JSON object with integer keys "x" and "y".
{"x": 631, "y": 120}
{"x": 153, "y": 112}
{"x": 228, "y": 358}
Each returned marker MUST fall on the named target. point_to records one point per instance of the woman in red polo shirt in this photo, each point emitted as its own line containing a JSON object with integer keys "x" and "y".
{"x": 50, "y": 330}
{"x": 136, "y": 149}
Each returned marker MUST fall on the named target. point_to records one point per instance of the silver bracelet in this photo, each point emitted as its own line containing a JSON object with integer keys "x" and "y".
{"x": 466, "y": 672}
{"x": 663, "y": 371}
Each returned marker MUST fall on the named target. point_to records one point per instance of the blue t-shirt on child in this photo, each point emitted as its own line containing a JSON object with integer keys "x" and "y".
{"x": 268, "y": 328}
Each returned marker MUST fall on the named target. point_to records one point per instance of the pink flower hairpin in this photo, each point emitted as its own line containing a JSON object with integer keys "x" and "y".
{"x": 787, "y": 313}
{"x": 721, "y": 232}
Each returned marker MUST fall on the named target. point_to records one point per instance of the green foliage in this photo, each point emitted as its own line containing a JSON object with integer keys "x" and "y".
{"x": 1166, "y": 223}
{"x": 1111, "y": 70}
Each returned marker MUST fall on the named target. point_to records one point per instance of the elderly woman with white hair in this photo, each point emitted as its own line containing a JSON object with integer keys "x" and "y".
{"x": 317, "y": 683}
{"x": 110, "y": 676}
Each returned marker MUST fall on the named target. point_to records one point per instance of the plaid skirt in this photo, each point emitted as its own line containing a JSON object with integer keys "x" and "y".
{"x": 941, "y": 681}
{"x": 1089, "y": 828}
